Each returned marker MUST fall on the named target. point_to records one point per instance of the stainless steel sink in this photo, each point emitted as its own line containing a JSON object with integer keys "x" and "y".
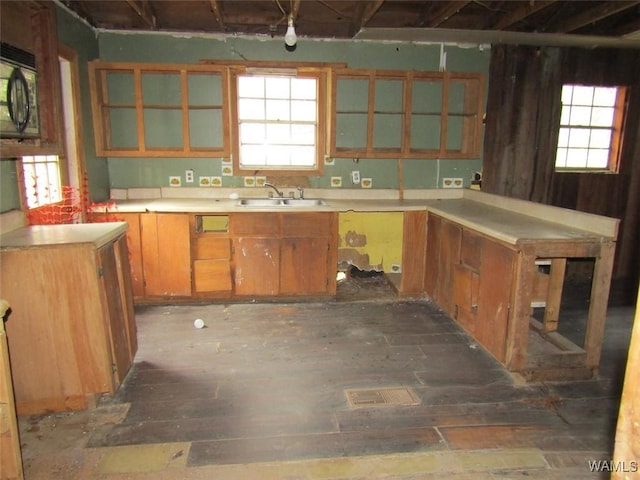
{"x": 281, "y": 202}
{"x": 261, "y": 202}
{"x": 304, "y": 202}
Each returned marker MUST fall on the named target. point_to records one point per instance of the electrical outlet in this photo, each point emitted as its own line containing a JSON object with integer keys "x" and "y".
{"x": 452, "y": 183}
{"x": 188, "y": 176}
{"x": 355, "y": 177}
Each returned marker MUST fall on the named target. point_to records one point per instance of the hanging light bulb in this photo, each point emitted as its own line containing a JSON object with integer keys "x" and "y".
{"x": 290, "y": 37}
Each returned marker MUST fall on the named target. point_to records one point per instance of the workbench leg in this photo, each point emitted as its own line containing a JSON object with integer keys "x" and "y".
{"x": 554, "y": 294}
{"x": 520, "y": 311}
{"x": 600, "y": 287}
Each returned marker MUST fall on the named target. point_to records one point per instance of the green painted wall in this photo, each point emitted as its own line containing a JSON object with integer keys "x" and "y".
{"x": 166, "y": 48}
{"x": 78, "y": 36}
{"x": 9, "y": 193}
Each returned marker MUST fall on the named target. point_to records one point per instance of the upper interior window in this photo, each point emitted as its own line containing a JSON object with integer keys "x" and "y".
{"x": 278, "y": 122}
{"x": 41, "y": 174}
{"x": 590, "y": 128}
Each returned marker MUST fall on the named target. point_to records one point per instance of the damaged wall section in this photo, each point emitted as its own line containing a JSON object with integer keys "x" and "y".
{"x": 371, "y": 241}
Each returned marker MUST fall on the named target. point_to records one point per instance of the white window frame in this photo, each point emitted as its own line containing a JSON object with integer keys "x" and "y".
{"x": 319, "y": 123}
{"x": 42, "y": 180}
{"x": 583, "y": 136}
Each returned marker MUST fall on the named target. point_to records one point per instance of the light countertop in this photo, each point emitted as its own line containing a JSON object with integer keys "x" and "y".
{"x": 98, "y": 234}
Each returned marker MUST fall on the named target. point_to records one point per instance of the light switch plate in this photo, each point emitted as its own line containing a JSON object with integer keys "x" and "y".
{"x": 355, "y": 177}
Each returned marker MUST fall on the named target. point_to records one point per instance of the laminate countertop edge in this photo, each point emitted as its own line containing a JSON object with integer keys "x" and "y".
{"x": 34, "y": 236}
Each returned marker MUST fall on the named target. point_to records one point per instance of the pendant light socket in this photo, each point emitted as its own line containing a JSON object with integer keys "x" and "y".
{"x": 290, "y": 37}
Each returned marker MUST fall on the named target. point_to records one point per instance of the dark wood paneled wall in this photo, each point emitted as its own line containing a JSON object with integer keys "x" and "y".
{"x": 521, "y": 134}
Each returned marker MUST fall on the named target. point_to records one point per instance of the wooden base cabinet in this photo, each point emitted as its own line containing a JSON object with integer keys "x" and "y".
{"x": 166, "y": 259}
{"x": 284, "y": 254}
{"x": 71, "y": 331}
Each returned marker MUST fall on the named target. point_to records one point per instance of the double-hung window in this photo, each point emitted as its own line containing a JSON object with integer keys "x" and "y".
{"x": 590, "y": 128}
{"x": 280, "y": 122}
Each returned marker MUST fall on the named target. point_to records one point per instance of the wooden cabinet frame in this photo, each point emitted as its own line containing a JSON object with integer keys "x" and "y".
{"x": 38, "y": 19}
{"x": 471, "y": 116}
{"x": 100, "y": 102}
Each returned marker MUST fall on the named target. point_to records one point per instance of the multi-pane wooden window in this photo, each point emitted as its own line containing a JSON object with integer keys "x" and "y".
{"x": 278, "y": 119}
{"x": 590, "y": 128}
{"x": 277, "y": 122}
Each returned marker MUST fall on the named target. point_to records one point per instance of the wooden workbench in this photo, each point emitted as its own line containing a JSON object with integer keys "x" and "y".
{"x": 483, "y": 268}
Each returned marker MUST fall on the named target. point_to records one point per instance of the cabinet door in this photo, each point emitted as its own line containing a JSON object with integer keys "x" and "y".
{"x": 304, "y": 268}
{"x": 434, "y": 233}
{"x": 448, "y": 256}
{"x": 167, "y": 254}
{"x": 256, "y": 262}
{"x": 115, "y": 314}
{"x": 494, "y": 297}
{"x": 135, "y": 252}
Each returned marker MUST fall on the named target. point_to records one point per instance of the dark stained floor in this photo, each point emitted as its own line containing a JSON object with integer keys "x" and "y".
{"x": 266, "y": 382}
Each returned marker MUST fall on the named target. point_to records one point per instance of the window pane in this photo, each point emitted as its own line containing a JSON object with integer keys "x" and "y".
{"x": 251, "y": 87}
{"x": 249, "y": 109}
{"x": 605, "y": 97}
{"x": 565, "y": 115}
{"x": 598, "y": 159}
{"x": 563, "y": 137}
{"x": 253, "y": 154}
{"x": 602, "y": 117}
{"x": 278, "y": 122}
{"x": 580, "y": 116}
{"x": 579, "y": 137}
{"x": 567, "y": 94}
{"x": 600, "y": 139}
{"x": 582, "y": 95}
{"x": 278, "y": 134}
{"x": 252, "y": 133}
{"x": 277, "y": 87}
{"x": 278, "y": 110}
{"x": 303, "y": 111}
{"x": 561, "y": 157}
{"x": 303, "y": 135}
{"x": 304, "y": 88}
{"x": 576, "y": 158}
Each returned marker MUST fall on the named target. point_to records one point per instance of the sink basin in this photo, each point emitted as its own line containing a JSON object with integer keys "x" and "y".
{"x": 261, "y": 202}
{"x": 281, "y": 202}
{"x": 303, "y": 202}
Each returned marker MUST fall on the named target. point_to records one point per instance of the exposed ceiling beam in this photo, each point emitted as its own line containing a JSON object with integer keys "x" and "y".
{"x": 484, "y": 37}
{"x": 520, "y": 13}
{"x": 445, "y": 12}
{"x": 594, "y": 14}
{"x": 144, "y": 11}
{"x": 215, "y": 8}
{"x": 295, "y": 8}
{"x": 363, "y": 15}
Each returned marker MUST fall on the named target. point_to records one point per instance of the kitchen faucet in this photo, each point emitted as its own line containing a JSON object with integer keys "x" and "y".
{"x": 270, "y": 185}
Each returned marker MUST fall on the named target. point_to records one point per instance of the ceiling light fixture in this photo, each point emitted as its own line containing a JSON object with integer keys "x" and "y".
{"x": 290, "y": 37}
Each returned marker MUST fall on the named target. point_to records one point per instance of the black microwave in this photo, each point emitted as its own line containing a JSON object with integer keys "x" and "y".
{"x": 18, "y": 94}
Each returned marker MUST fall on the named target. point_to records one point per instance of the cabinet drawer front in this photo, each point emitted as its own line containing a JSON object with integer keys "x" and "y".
{"x": 213, "y": 247}
{"x": 255, "y": 224}
{"x": 211, "y": 275}
{"x": 307, "y": 224}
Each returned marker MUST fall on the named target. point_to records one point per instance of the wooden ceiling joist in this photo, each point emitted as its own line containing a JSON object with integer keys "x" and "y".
{"x": 593, "y": 15}
{"x": 215, "y": 8}
{"x": 445, "y": 12}
{"x": 364, "y": 16}
{"x": 519, "y": 14}
{"x": 144, "y": 11}
{"x": 295, "y": 8}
